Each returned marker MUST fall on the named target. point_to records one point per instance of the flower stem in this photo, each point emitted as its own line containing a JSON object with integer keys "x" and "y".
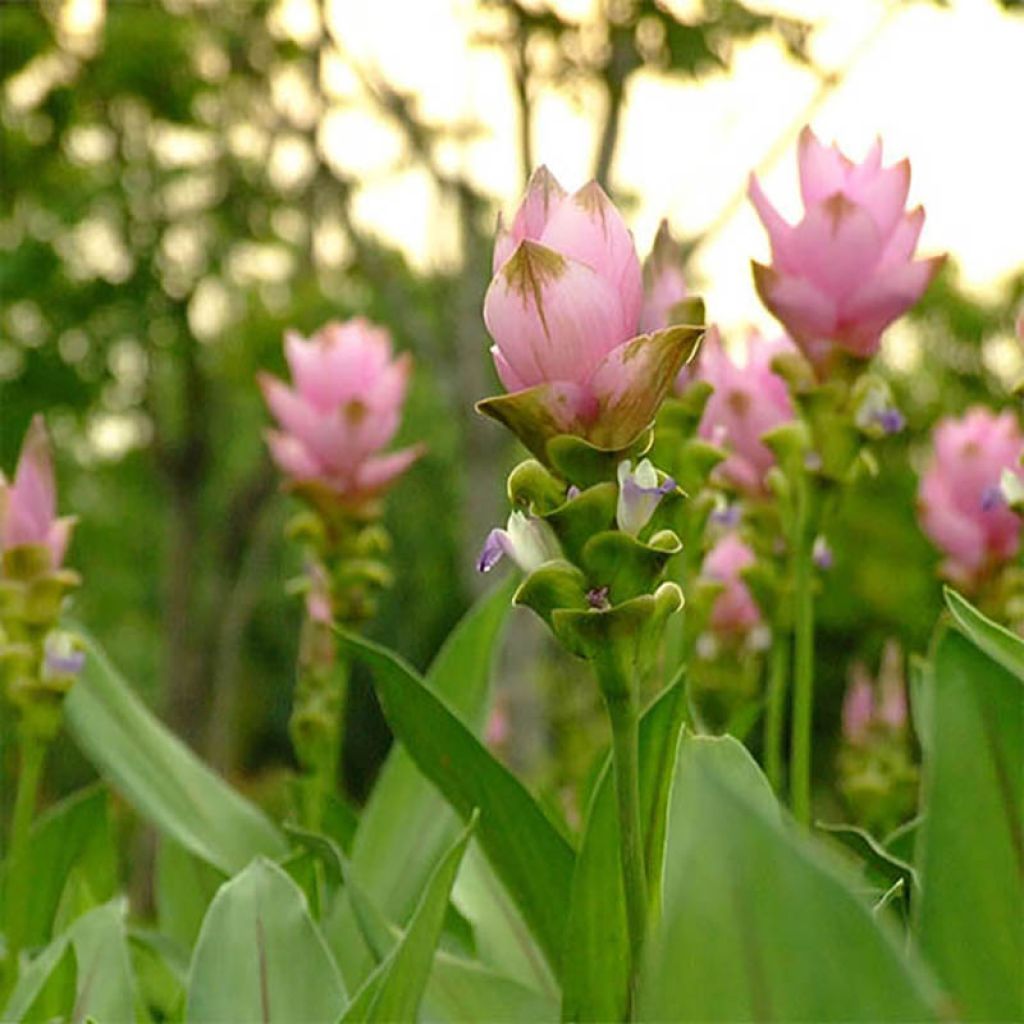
{"x": 778, "y": 680}
{"x": 626, "y": 762}
{"x": 32, "y": 753}
{"x": 803, "y": 668}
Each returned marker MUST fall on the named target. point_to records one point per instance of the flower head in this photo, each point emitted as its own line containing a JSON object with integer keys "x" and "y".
{"x": 746, "y": 403}
{"x": 527, "y": 540}
{"x": 564, "y": 311}
{"x": 28, "y": 505}
{"x": 960, "y": 498}
{"x": 640, "y": 493}
{"x": 841, "y": 275}
{"x": 734, "y": 610}
{"x": 344, "y": 406}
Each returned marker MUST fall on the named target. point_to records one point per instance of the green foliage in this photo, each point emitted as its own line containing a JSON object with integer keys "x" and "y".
{"x": 526, "y": 850}
{"x": 259, "y": 955}
{"x": 158, "y": 774}
{"x": 970, "y": 844}
{"x": 756, "y": 924}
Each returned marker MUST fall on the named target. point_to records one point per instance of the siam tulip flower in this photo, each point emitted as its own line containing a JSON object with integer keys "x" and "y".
{"x": 640, "y": 493}
{"x": 734, "y": 610}
{"x": 564, "y": 311}
{"x": 846, "y": 271}
{"x": 858, "y": 706}
{"x": 527, "y": 540}
{"x": 961, "y": 500}
{"x": 664, "y": 284}
{"x": 28, "y": 505}
{"x": 746, "y": 403}
{"x": 343, "y": 408}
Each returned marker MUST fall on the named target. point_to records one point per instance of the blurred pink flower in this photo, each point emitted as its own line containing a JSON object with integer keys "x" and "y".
{"x": 747, "y": 402}
{"x": 564, "y": 310}
{"x": 734, "y": 610}
{"x": 841, "y": 275}
{"x": 28, "y": 505}
{"x": 960, "y": 501}
{"x": 664, "y": 284}
{"x": 344, "y": 406}
{"x": 858, "y": 706}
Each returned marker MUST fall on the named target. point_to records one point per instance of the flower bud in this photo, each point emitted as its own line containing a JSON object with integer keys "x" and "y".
{"x": 28, "y": 505}
{"x": 846, "y": 271}
{"x": 858, "y": 707}
{"x": 527, "y": 540}
{"x": 639, "y": 495}
{"x": 345, "y": 405}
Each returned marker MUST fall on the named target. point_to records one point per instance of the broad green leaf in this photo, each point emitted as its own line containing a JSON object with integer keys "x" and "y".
{"x": 103, "y": 983}
{"x": 159, "y": 776}
{"x": 595, "y": 973}
{"x": 405, "y": 971}
{"x": 460, "y": 990}
{"x": 995, "y": 640}
{"x": 532, "y": 858}
{"x": 185, "y": 887}
{"x": 46, "y": 987}
{"x": 73, "y": 834}
{"x": 502, "y": 940}
{"x": 882, "y": 868}
{"x": 758, "y": 924}
{"x": 970, "y": 846}
{"x": 160, "y": 973}
{"x": 406, "y": 825}
{"x": 260, "y": 957}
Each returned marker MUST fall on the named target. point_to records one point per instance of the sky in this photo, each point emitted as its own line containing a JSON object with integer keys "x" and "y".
{"x": 937, "y": 84}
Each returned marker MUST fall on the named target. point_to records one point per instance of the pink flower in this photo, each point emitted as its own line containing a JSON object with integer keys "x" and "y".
{"x": 747, "y": 402}
{"x": 28, "y": 506}
{"x": 664, "y": 284}
{"x": 858, "y": 706}
{"x": 734, "y": 610}
{"x": 845, "y": 272}
{"x": 344, "y": 407}
{"x": 564, "y": 311}
{"x": 961, "y": 505}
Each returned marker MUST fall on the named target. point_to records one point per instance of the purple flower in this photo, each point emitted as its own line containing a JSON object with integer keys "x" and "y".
{"x": 527, "y": 540}
{"x": 639, "y": 495}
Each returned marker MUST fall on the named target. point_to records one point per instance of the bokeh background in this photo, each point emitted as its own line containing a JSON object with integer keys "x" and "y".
{"x": 181, "y": 180}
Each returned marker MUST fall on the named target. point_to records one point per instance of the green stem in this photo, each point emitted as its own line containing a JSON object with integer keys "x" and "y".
{"x": 626, "y": 761}
{"x": 32, "y": 753}
{"x": 778, "y": 680}
{"x": 803, "y": 668}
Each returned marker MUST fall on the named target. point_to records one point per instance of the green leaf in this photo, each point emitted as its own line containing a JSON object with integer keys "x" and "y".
{"x": 260, "y": 957}
{"x": 73, "y": 834}
{"x": 403, "y": 975}
{"x": 882, "y": 868}
{"x": 970, "y": 845}
{"x": 406, "y": 824}
{"x": 103, "y": 983}
{"x": 185, "y": 887}
{"x": 595, "y": 974}
{"x": 158, "y": 775}
{"x": 995, "y": 640}
{"x": 752, "y": 913}
{"x": 528, "y": 853}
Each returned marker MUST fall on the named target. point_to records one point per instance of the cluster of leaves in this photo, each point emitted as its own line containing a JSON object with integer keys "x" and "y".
{"x": 454, "y": 895}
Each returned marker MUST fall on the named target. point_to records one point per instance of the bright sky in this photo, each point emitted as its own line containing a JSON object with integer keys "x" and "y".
{"x": 942, "y": 86}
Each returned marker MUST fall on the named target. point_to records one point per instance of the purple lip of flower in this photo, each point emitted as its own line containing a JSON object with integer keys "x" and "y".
{"x": 812, "y": 462}
{"x": 61, "y": 664}
{"x": 728, "y": 515}
{"x": 597, "y": 598}
{"x": 494, "y": 549}
{"x": 573, "y": 492}
{"x": 892, "y": 421}
{"x": 992, "y": 498}
{"x": 821, "y": 554}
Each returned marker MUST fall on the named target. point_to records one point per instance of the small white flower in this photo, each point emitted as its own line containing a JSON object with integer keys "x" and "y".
{"x": 527, "y": 540}
{"x": 639, "y": 495}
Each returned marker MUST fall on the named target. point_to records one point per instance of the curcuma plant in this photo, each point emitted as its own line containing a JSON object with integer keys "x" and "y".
{"x": 668, "y": 526}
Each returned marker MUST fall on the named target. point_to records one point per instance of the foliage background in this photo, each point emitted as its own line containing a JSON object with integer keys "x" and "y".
{"x": 173, "y": 199}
